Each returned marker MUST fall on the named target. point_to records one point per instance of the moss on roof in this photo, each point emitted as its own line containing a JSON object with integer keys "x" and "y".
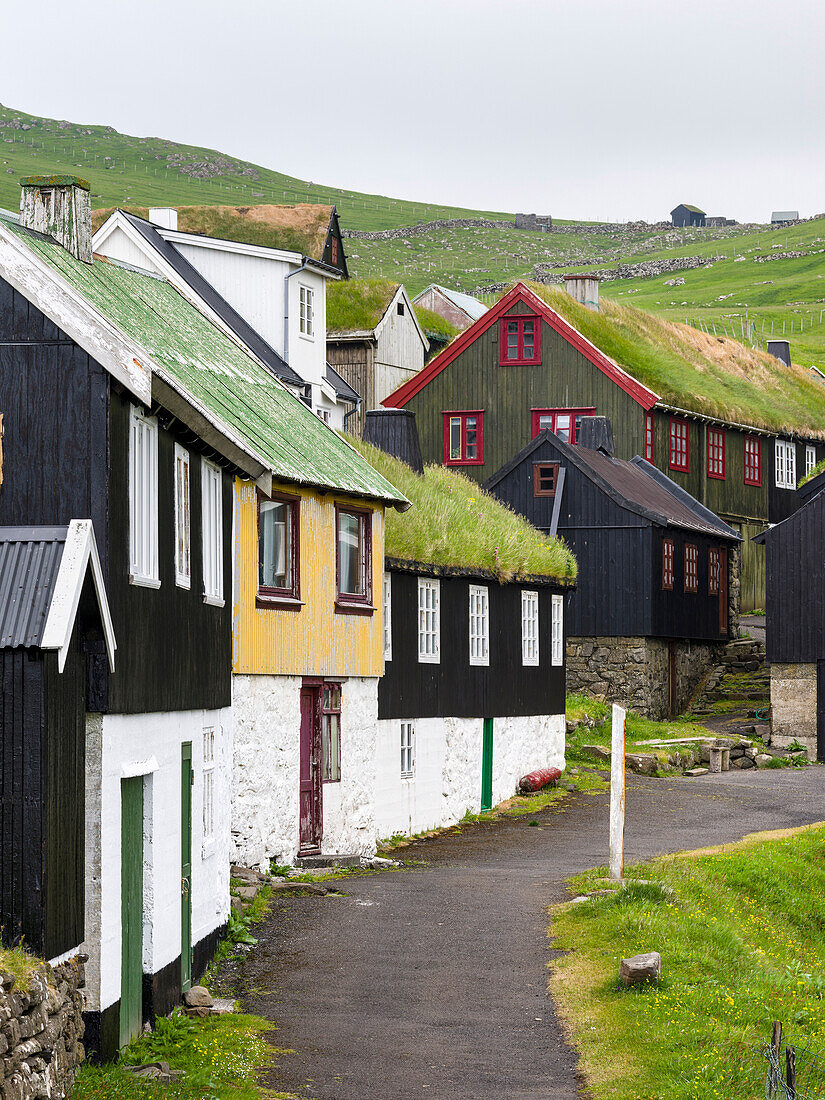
{"x": 455, "y": 524}
{"x": 697, "y": 372}
{"x": 299, "y": 228}
{"x": 357, "y": 305}
{"x": 434, "y": 324}
{"x": 815, "y": 472}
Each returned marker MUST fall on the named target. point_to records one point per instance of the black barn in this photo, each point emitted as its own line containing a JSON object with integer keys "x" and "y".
{"x": 685, "y": 215}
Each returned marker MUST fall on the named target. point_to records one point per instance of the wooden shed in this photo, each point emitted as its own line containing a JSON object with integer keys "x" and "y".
{"x": 685, "y": 215}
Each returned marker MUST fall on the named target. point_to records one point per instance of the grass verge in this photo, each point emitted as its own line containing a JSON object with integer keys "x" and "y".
{"x": 741, "y": 932}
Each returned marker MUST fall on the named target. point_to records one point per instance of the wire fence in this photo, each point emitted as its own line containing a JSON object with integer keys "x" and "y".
{"x": 794, "y": 1072}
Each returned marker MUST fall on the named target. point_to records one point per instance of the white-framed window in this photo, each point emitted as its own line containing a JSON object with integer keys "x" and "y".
{"x": 306, "y": 310}
{"x": 208, "y": 783}
{"x": 183, "y": 566}
{"x": 557, "y": 631}
{"x": 407, "y": 750}
{"x": 810, "y": 458}
{"x": 323, "y": 414}
{"x": 529, "y": 627}
{"x": 143, "y": 499}
{"x": 785, "y": 464}
{"x": 429, "y": 621}
{"x": 387, "y": 609}
{"x": 212, "y": 532}
{"x": 479, "y": 625}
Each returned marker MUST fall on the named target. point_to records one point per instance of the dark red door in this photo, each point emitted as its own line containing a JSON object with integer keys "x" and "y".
{"x": 723, "y": 591}
{"x": 311, "y": 807}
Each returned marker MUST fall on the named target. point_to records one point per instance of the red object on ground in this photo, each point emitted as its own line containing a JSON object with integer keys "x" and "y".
{"x": 534, "y": 781}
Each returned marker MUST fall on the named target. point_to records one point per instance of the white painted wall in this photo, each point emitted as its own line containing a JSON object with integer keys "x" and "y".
{"x": 266, "y": 770}
{"x": 118, "y": 246}
{"x": 150, "y": 744}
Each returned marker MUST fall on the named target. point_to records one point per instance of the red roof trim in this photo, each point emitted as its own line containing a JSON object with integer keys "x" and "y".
{"x": 521, "y": 293}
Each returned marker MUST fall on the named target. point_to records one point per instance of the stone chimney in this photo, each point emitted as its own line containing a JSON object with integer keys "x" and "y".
{"x": 596, "y": 433}
{"x": 166, "y": 217}
{"x": 584, "y": 287}
{"x": 396, "y": 432}
{"x": 61, "y": 208}
{"x": 781, "y": 349}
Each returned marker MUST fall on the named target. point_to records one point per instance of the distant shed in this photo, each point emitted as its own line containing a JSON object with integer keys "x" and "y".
{"x": 686, "y": 215}
{"x": 783, "y": 217}
{"x": 459, "y": 309}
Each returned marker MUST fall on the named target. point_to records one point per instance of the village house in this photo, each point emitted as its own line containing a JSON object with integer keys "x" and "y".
{"x": 656, "y": 595}
{"x": 461, "y": 310}
{"x": 261, "y": 273}
{"x": 728, "y": 424}
{"x": 374, "y": 340}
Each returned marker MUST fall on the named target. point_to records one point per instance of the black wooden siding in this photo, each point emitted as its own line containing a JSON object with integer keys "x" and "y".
{"x": 455, "y": 688}
{"x": 795, "y": 600}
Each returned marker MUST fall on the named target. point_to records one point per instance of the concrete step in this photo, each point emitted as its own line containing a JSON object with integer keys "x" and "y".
{"x": 340, "y": 860}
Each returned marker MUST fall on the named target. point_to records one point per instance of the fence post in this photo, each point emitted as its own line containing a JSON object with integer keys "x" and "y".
{"x": 773, "y": 1064}
{"x": 617, "y": 793}
{"x": 790, "y": 1072}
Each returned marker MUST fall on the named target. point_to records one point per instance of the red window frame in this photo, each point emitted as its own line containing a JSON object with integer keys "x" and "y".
{"x": 714, "y": 563}
{"x": 518, "y": 321}
{"x": 354, "y": 603}
{"x": 691, "y": 567}
{"x": 575, "y": 418}
{"x": 288, "y": 597}
{"x": 679, "y": 445}
{"x": 545, "y": 478}
{"x": 478, "y": 443}
{"x": 649, "y": 436}
{"x": 667, "y": 565}
{"x": 716, "y": 454}
{"x": 753, "y": 460}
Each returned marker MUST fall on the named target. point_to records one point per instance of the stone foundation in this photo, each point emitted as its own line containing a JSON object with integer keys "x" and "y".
{"x": 635, "y": 671}
{"x": 793, "y": 706}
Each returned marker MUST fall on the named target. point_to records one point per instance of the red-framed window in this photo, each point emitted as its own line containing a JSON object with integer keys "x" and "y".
{"x": 520, "y": 336}
{"x": 649, "y": 436}
{"x": 716, "y": 453}
{"x": 713, "y": 572}
{"x": 678, "y": 444}
{"x": 564, "y": 422}
{"x": 464, "y": 438}
{"x": 667, "y": 564}
{"x": 691, "y": 567}
{"x": 753, "y": 460}
{"x": 279, "y": 556}
{"x": 545, "y": 478}
{"x": 353, "y": 560}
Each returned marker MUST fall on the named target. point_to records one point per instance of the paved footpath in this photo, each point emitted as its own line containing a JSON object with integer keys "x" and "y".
{"x": 431, "y": 981}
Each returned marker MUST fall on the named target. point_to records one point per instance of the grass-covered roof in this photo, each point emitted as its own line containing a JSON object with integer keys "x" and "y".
{"x": 454, "y": 524}
{"x": 706, "y": 374}
{"x": 357, "y": 305}
{"x": 299, "y": 228}
{"x": 434, "y": 324}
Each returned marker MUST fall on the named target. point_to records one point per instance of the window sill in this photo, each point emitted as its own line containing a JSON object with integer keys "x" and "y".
{"x": 476, "y": 662}
{"x": 716, "y": 477}
{"x": 407, "y": 777}
{"x": 183, "y": 582}
{"x": 429, "y": 660}
{"x": 519, "y": 362}
{"x": 463, "y": 462}
{"x": 144, "y": 582}
{"x": 214, "y": 601}
{"x": 325, "y": 781}
{"x": 345, "y": 608}
{"x": 278, "y": 603}
{"x": 307, "y": 336}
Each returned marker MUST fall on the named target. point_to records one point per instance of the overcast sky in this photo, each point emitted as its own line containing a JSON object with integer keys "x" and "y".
{"x": 605, "y": 109}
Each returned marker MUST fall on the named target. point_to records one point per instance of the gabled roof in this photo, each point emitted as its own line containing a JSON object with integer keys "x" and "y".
{"x": 42, "y": 573}
{"x": 360, "y": 308}
{"x": 521, "y": 293}
{"x": 193, "y": 368}
{"x": 471, "y": 306}
{"x": 634, "y": 485}
{"x": 343, "y": 390}
{"x": 687, "y": 206}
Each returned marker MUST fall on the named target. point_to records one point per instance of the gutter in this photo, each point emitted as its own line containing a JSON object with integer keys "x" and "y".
{"x": 708, "y": 419}
{"x": 352, "y": 412}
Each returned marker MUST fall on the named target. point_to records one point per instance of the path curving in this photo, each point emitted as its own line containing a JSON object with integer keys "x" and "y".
{"x": 431, "y": 981}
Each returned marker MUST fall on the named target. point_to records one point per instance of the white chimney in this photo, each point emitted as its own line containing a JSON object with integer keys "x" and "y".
{"x": 61, "y": 208}
{"x": 584, "y": 287}
{"x": 164, "y": 216}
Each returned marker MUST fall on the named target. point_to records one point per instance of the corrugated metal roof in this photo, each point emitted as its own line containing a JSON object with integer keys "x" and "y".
{"x": 237, "y": 390}
{"x": 29, "y": 563}
{"x": 785, "y": 216}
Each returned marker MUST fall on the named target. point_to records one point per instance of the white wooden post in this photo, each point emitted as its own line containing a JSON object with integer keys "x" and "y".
{"x": 617, "y": 793}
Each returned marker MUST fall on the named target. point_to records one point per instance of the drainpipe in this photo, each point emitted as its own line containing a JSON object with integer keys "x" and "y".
{"x": 286, "y": 305}
{"x": 352, "y": 412}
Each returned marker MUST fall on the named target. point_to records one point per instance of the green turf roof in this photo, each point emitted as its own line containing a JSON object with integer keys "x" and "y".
{"x": 357, "y": 305}
{"x": 454, "y": 524}
{"x": 691, "y": 370}
{"x": 238, "y": 391}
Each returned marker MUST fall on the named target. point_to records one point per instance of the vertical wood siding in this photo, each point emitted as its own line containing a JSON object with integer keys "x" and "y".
{"x": 314, "y": 641}
{"x": 795, "y": 600}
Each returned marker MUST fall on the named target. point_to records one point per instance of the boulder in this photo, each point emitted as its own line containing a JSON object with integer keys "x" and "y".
{"x": 641, "y": 968}
{"x": 762, "y": 759}
{"x": 197, "y": 997}
{"x": 696, "y": 771}
{"x": 641, "y": 763}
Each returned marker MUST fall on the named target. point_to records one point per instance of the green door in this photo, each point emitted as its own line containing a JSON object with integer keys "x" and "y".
{"x": 131, "y": 894}
{"x": 186, "y": 781}
{"x": 487, "y": 766}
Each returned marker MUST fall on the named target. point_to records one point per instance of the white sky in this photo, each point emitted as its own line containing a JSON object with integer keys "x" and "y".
{"x": 600, "y": 109}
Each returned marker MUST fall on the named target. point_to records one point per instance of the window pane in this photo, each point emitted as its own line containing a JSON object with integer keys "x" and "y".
{"x": 563, "y": 426}
{"x": 455, "y": 437}
{"x": 350, "y": 554}
{"x": 546, "y": 422}
{"x": 275, "y": 546}
{"x": 471, "y": 450}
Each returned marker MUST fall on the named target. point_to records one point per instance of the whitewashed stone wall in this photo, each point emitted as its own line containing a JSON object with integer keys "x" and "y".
{"x": 793, "y": 706}
{"x": 120, "y": 746}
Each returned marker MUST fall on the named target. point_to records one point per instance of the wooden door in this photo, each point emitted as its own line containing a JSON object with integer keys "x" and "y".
{"x": 487, "y": 765}
{"x": 186, "y": 780}
{"x": 311, "y": 804}
{"x": 131, "y": 895}
{"x": 723, "y": 591}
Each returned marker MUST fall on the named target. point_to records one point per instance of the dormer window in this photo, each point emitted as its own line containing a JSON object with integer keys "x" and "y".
{"x": 306, "y": 310}
{"x": 520, "y": 341}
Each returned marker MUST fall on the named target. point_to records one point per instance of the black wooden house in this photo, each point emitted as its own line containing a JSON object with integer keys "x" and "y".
{"x": 652, "y": 603}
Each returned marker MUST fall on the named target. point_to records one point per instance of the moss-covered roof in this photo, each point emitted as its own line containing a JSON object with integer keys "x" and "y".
{"x": 357, "y": 305}
{"x": 202, "y": 361}
{"x": 300, "y": 228}
{"x": 434, "y": 324}
{"x": 691, "y": 370}
{"x": 456, "y": 525}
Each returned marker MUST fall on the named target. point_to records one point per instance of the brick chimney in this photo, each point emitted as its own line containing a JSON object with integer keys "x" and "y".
{"x": 61, "y": 208}
{"x": 584, "y": 287}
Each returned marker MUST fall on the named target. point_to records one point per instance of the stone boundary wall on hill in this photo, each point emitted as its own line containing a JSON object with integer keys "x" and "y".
{"x": 643, "y": 270}
{"x": 41, "y": 1027}
{"x": 423, "y": 228}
